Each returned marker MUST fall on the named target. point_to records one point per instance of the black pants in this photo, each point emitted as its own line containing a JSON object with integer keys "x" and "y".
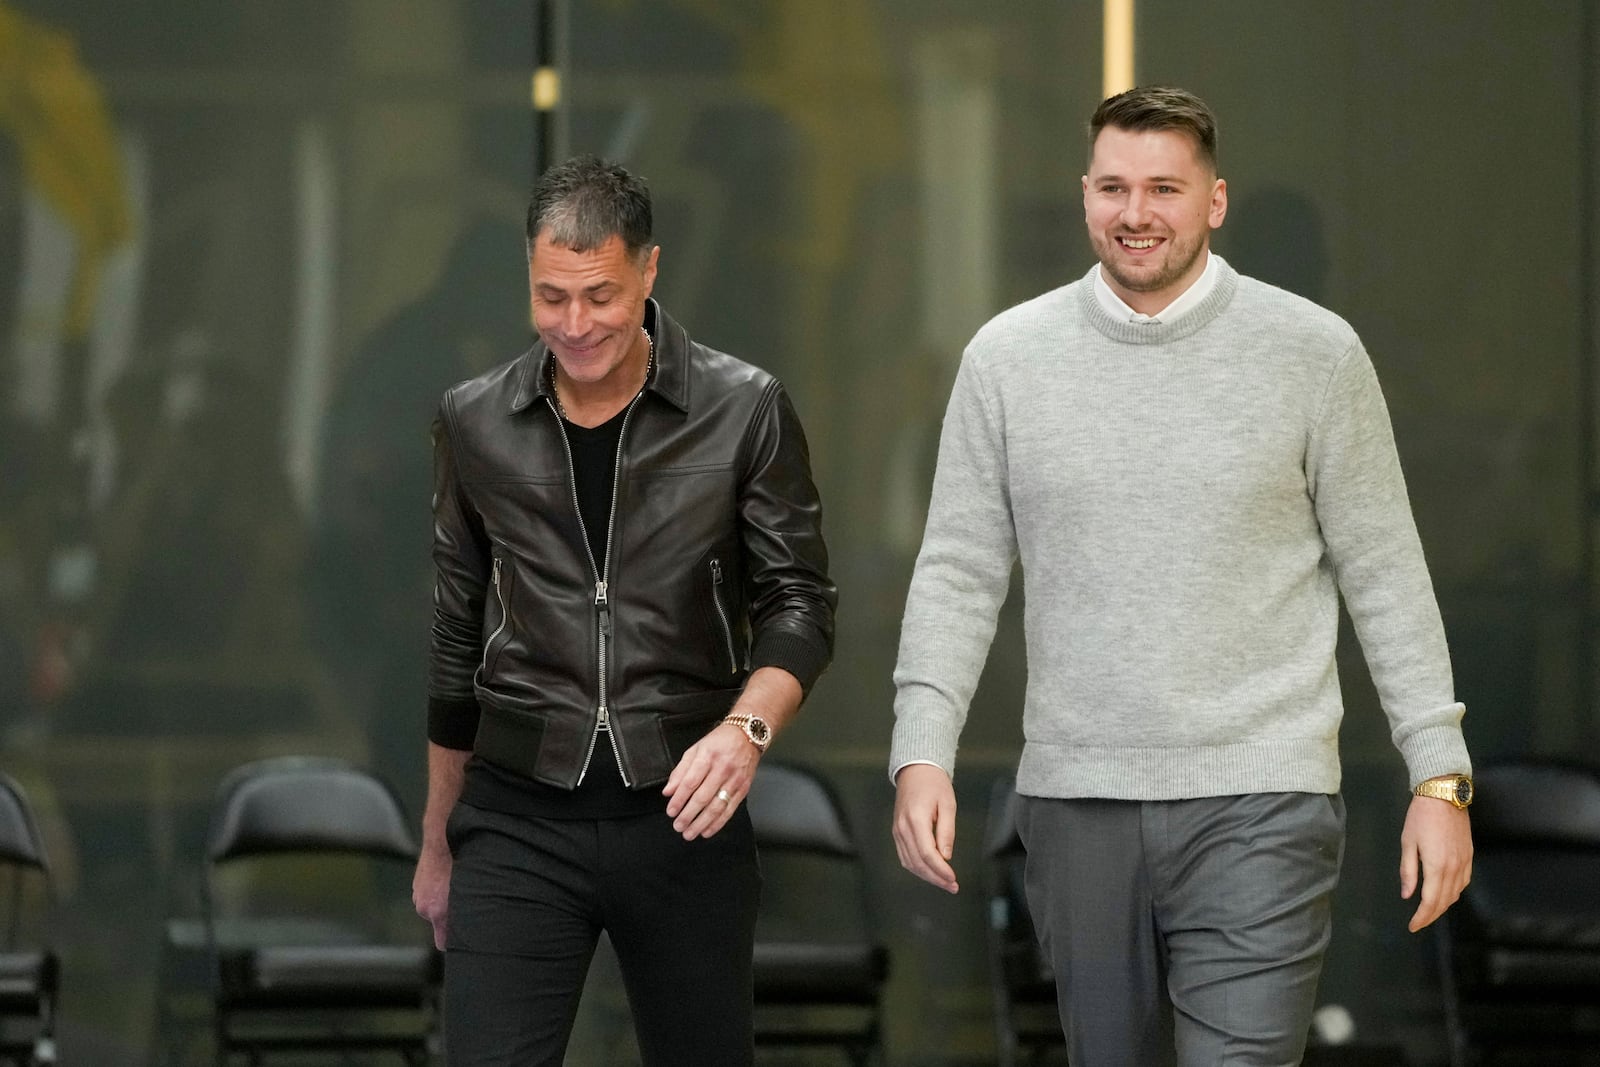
{"x": 528, "y": 900}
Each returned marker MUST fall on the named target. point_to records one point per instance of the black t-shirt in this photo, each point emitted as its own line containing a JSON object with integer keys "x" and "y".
{"x": 594, "y": 469}
{"x": 602, "y": 794}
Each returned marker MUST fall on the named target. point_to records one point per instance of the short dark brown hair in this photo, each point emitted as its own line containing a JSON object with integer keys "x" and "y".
{"x": 1159, "y": 107}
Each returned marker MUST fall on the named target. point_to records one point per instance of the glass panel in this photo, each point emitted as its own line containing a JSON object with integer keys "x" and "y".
{"x": 244, "y": 248}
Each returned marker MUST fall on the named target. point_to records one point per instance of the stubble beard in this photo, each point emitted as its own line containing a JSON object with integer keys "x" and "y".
{"x": 1174, "y": 265}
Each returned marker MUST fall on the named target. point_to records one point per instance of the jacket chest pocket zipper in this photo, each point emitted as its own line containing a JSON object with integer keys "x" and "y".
{"x": 722, "y": 613}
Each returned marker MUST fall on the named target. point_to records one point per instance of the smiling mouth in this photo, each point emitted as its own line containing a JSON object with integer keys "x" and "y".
{"x": 1138, "y": 243}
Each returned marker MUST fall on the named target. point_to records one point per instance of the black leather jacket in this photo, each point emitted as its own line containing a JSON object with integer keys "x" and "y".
{"x": 717, "y": 566}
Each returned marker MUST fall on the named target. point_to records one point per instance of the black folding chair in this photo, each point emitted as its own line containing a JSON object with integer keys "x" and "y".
{"x": 819, "y": 970}
{"x": 334, "y": 961}
{"x": 1020, "y": 979}
{"x": 29, "y": 968}
{"x": 1520, "y": 952}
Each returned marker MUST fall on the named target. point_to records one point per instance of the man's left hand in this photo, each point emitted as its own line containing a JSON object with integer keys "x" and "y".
{"x": 1437, "y": 843}
{"x": 711, "y": 781}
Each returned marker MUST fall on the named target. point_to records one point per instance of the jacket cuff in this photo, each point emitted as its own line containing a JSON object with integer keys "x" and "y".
{"x": 804, "y": 659}
{"x": 453, "y": 722}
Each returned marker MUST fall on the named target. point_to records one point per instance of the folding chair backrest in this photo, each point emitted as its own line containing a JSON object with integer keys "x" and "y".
{"x": 307, "y": 805}
{"x": 300, "y": 932}
{"x": 1520, "y": 952}
{"x": 820, "y": 967}
{"x": 793, "y": 808}
{"x": 29, "y": 967}
{"x": 1537, "y": 803}
{"x": 19, "y": 836}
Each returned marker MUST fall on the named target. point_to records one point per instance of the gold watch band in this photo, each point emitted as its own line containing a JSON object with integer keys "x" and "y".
{"x": 1455, "y": 789}
{"x": 754, "y": 727}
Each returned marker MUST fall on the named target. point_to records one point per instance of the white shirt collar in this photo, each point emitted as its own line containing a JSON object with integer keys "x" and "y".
{"x": 1186, "y": 302}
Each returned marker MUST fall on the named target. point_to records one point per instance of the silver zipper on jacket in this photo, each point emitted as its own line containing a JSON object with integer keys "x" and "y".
{"x": 505, "y": 617}
{"x": 716, "y": 598}
{"x": 602, "y": 602}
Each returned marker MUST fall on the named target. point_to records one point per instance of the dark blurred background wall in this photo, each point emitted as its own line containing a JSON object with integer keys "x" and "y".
{"x": 243, "y": 247}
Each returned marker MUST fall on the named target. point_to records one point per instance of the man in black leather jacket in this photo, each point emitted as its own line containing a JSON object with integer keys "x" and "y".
{"x": 631, "y": 601}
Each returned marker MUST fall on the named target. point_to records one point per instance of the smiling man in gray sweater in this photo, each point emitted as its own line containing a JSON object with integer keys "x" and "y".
{"x": 1192, "y": 467}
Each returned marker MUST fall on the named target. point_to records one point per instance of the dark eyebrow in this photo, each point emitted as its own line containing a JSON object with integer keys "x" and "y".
{"x": 591, "y": 289}
{"x": 1157, "y": 180}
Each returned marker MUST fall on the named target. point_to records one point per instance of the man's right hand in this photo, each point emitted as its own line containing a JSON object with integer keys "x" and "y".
{"x": 925, "y": 824}
{"x": 430, "y": 890}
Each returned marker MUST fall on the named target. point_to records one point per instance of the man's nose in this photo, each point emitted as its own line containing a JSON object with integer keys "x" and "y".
{"x": 1136, "y": 212}
{"x": 575, "y": 319}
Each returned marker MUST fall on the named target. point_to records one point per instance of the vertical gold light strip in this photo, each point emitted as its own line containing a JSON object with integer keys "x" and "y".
{"x": 1118, "y": 44}
{"x": 546, "y": 89}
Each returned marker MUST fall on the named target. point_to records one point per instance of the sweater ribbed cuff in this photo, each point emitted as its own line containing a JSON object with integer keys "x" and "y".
{"x": 453, "y": 722}
{"x": 1435, "y": 750}
{"x": 923, "y": 740}
{"x": 801, "y": 657}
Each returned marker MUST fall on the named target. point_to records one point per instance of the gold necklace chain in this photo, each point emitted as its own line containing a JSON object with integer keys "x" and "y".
{"x": 649, "y": 365}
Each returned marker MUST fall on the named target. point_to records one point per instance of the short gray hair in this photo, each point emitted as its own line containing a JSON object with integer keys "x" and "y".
{"x": 585, "y": 202}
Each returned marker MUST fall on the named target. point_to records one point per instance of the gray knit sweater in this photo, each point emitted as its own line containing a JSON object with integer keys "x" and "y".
{"x": 1188, "y": 502}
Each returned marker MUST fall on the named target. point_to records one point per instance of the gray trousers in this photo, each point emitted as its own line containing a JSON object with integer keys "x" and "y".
{"x": 1188, "y": 932}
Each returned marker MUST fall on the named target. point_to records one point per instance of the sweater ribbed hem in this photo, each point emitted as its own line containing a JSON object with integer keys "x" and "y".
{"x": 453, "y": 722}
{"x": 1299, "y": 765}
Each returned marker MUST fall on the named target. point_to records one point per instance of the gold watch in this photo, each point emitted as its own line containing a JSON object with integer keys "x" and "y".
{"x": 754, "y": 727}
{"x": 1455, "y": 788}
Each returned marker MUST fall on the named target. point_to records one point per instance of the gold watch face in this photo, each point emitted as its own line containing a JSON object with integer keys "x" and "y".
{"x": 759, "y": 731}
{"x": 1456, "y": 790}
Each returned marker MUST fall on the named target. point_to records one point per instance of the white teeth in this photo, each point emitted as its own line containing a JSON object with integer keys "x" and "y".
{"x": 1143, "y": 242}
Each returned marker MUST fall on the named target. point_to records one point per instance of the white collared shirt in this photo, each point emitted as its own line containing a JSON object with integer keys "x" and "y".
{"x": 1186, "y": 302}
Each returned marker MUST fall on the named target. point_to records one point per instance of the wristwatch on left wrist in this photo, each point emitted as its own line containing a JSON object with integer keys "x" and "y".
{"x": 754, "y": 727}
{"x": 1454, "y": 788}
